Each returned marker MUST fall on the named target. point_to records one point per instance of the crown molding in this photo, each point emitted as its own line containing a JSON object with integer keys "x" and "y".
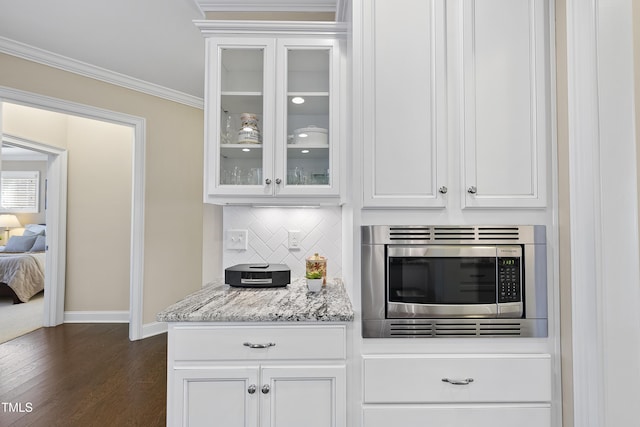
{"x": 322, "y": 28}
{"x": 267, "y": 5}
{"x": 41, "y": 56}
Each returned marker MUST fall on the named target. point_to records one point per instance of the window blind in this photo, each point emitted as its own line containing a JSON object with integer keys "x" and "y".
{"x": 20, "y": 190}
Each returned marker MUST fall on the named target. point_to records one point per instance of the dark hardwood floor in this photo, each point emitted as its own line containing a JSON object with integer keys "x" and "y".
{"x": 83, "y": 375}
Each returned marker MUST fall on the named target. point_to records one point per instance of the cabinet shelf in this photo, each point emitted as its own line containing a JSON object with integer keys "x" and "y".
{"x": 242, "y": 102}
{"x": 295, "y": 151}
{"x": 315, "y": 103}
{"x": 237, "y": 151}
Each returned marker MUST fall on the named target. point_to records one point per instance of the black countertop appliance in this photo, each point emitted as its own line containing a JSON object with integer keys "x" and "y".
{"x": 258, "y": 275}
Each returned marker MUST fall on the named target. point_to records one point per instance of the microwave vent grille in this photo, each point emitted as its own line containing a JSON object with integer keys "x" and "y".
{"x": 468, "y": 328}
{"x": 454, "y": 234}
{"x": 411, "y": 233}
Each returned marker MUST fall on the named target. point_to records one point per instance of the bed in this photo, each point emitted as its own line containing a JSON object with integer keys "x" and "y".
{"x": 21, "y": 275}
{"x": 22, "y": 265}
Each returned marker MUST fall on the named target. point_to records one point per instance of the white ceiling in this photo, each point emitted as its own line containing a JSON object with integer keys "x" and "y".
{"x": 148, "y": 44}
{"x": 150, "y": 40}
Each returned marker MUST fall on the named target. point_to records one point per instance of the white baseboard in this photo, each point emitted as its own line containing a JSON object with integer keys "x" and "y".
{"x": 153, "y": 328}
{"x": 96, "y": 317}
{"x": 148, "y": 329}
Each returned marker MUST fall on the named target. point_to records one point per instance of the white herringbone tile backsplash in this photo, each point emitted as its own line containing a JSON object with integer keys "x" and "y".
{"x": 320, "y": 231}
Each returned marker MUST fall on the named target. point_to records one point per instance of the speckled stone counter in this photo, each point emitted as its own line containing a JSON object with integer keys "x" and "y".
{"x": 218, "y": 302}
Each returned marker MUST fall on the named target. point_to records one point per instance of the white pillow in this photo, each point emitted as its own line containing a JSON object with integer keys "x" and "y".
{"x": 34, "y": 230}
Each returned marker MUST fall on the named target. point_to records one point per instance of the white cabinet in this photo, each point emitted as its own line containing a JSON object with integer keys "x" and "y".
{"x": 459, "y": 416}
{"x": 504, "y": 114}
{"x": 214, "y": 396}
{"x": 404, "y": 103}
{"x": 463, "y": 111}
{"x": 310, "y": 396}
{"x": 250, "y": 376}
{"x": 272, "y": 114}
{"x": 457, "y": 390}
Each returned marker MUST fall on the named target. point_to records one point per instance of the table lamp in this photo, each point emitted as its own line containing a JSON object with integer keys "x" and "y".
{"x": 8, "y": 221}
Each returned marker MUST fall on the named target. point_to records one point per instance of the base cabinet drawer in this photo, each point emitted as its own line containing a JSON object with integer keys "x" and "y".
{"x": 457, "y": 378}
{"x": 200, "y": 343}
{"x": 458, "y": 416}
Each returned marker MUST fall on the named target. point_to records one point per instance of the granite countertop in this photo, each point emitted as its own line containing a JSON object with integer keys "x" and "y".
{"x": 218, "y": 302}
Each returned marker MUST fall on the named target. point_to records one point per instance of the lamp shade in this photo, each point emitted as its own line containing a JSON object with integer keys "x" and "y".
{"x": 9, "y": 221}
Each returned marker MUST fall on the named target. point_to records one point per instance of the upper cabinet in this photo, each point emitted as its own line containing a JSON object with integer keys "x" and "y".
{"x": 273, "y": 133}
{"x": 503, "y": 109}
{"x": 461, "y": 110}
{"x": 404, "y": 108}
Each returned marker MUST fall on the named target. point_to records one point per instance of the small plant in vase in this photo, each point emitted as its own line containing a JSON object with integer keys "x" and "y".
{"x": 314, "y": 281}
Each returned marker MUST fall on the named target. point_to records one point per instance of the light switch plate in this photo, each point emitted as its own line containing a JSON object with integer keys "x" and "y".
{"x": 294, "y": 239}
{"x": 237, "y": 239}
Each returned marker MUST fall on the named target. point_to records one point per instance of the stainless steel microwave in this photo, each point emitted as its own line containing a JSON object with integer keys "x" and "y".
{"x": 454, "y": 281}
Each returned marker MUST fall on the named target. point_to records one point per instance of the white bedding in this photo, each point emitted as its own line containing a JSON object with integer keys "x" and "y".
{"x": 23, "y": 272}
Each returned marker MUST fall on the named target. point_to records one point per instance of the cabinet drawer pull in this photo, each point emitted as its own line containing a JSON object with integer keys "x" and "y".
{"x": 465, "y": 381}
{"x": 251, "y": 389}
{"x": 472, "y": 190}
{"x": 251, "y": 345}
{"x": 265, "y": 389}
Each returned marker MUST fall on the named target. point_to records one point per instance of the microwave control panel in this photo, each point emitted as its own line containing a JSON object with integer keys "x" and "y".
{"x": 509, "y": 289}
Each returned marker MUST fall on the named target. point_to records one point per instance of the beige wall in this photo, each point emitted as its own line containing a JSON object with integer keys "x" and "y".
{"x": 99, "y": 215}
{"x": 563, "y": 214}
{"x": 173, "y": 196}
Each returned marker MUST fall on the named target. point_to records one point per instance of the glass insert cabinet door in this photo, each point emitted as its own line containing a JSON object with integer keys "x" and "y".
{"x": 309, "y": 130}
{"x": 243, "y": 85}
{"x": 271, "y": 111}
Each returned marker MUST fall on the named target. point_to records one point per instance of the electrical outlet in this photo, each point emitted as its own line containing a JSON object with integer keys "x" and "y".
{"x": 237, "y": 239}
{"x": 294, "y": 239}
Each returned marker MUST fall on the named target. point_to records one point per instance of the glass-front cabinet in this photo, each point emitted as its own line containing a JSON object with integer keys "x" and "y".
{"x": 272, "y": 120}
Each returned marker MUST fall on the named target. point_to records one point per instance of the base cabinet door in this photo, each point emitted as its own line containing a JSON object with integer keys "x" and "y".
{"x": 459, "y": 416}
{"x": 225, "y": 397}
{"x": 267, "y": 396}
{"x": 303, "y": 396}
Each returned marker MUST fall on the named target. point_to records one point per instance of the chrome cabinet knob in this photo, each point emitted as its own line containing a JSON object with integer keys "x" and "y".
{"x": 267, "y": 181}
{"x": 278, "y": 181}
{"x": 265, "y": 389}
{"x": 472, "y": 190}
{"x": 252, "y": 389}
{"x": 443, "y": 190}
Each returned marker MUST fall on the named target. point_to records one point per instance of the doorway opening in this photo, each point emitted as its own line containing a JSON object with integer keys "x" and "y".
{"x": 56, "y": 204}
{"x": 54, "y": 195}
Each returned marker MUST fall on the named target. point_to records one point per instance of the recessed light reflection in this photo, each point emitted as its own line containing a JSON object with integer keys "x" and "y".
{"x": 297, "y": 100}
{"x": 304, "y": 151}
{"x": 246, "y": 150}
{"x": 302, "y": 135}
